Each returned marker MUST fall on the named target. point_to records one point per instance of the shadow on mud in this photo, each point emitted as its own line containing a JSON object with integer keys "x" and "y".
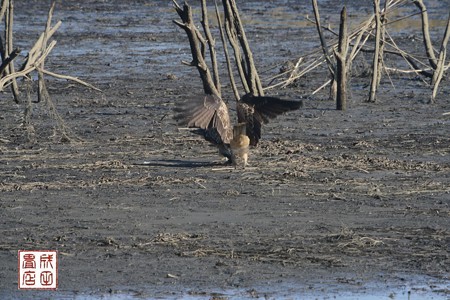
{"x": 177, "y": 163}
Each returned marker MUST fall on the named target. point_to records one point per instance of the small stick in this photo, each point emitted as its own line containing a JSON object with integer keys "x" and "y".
{"x": 410, "y": 60}
{"x": 416, "y": 71}
{"x": 315, "y": 64}
{"x": 297, "y": 65}
{"x": 9, "y": 59}
{"x": 323, "y": 27}
{"x": 69, "y": 78}
{"x": 321, "y": 87}
{"x": 356, "y": 45}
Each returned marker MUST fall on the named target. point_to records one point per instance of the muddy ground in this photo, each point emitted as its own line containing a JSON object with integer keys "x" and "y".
{"x": 333, "y": 203}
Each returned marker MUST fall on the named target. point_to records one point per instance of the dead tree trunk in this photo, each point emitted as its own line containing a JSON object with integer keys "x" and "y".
{"x": 237, "y": 39}
{"x": 7, "y": 11}
{"x": 376, "y": 55}
{"x": 383, "y": 22}
{"x": 341, "y": 68}
{"x": 197, "y": 43}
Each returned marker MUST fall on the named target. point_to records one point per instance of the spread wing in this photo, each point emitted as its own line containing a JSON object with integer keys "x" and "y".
{"x": 212, "y": 136}
{"x": 207, "y": 113}
{"x": 258, "y": 110}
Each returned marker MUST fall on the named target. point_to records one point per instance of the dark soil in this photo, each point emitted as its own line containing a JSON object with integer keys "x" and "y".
{"x": 333, "y": 202}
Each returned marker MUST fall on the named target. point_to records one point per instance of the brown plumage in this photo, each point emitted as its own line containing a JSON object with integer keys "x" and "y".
{"x": 239, "y": 145}
{"x": 211, "y": 116}
{"x": 210, "y": 112}
{"x": 258, "y": 110}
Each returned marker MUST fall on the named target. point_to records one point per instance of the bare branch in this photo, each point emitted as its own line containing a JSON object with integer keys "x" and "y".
{"x": 232, "y": 14}
{"x": 232, "y": 39}
{"x": 227, "y": 56}
{"x": 426, "y": 33}
{"x": 22, "y": 73}
{"x": 69, "y": 78}
{"x": 211, "y": 44}
{"x": 331, "y": 65}
{"x": 439, "y": 72}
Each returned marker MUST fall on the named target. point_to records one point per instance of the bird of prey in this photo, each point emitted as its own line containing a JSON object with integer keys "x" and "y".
{"x": 211, "y": 117}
